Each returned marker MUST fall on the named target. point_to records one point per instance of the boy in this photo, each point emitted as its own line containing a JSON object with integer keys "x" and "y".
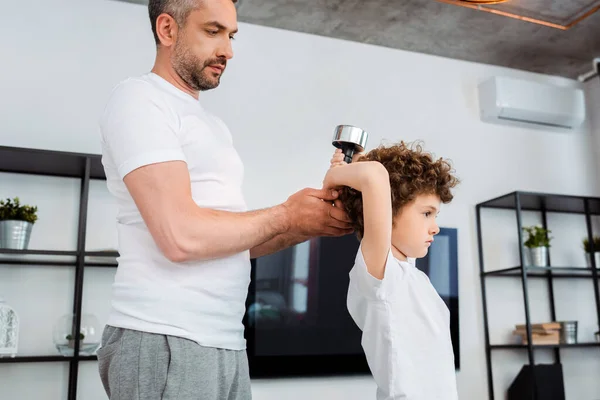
{"x": 393, "y": 195}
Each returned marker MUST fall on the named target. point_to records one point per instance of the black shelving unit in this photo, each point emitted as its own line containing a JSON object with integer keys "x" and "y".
{"x": 83, "y": 167}
{"x": 543, "y": 203}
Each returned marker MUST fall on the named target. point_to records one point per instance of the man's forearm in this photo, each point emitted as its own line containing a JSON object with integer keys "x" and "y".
{"x": 209, "y": 234}
{"x": 184, "y": 231}
{"x": 277, "y": 243}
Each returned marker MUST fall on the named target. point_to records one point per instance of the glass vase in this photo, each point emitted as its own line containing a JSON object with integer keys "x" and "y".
{"x": 89, "y": 335}
{"x": 9, "y": 330}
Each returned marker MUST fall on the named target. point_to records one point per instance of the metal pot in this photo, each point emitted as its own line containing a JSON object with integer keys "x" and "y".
{"x": 568, "y": 332}
{"x": 15, "y": 234}
{"x": 588, "y": 259}
{"x": 538, "y": 256}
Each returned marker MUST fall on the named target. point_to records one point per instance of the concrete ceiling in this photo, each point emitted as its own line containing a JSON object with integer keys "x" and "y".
{"x": 447, "y": 30}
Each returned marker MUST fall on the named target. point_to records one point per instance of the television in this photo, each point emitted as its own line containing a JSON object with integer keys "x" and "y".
{"x": 296, "y": 320}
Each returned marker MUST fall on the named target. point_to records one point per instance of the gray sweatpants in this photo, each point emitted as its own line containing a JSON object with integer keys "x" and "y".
{"x": 138, "y": 365}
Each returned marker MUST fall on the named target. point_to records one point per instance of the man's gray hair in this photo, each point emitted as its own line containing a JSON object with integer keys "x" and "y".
{"x": 178, "y": 9}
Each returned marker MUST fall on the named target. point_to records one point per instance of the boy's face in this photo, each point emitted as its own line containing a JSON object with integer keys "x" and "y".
{"x": 415, "y": 225}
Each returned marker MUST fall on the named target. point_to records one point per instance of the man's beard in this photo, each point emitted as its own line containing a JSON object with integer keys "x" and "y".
{"x": 193, "y": 71}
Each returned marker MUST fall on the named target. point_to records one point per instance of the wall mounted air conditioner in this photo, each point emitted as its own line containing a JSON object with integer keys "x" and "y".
{"x": 524, "y": 103}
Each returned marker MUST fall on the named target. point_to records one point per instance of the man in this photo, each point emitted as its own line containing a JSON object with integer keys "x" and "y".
{"x": 185, "y": 237}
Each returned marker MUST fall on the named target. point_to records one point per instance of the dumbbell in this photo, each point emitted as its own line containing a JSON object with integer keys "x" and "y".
{"x": 350, "y": 139}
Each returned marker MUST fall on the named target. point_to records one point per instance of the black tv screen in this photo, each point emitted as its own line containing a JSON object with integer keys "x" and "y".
{"x": 297, "y": 323}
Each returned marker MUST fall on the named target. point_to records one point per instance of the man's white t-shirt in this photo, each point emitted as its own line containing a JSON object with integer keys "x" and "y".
{"x": 147, "y": 120}
{"x": 406, "y": 331}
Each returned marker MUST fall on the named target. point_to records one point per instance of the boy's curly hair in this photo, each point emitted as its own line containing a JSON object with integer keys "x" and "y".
{"x": 412, "y": 172}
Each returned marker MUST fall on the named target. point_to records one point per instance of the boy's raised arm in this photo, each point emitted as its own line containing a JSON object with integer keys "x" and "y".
{"x": 372, "y": 180}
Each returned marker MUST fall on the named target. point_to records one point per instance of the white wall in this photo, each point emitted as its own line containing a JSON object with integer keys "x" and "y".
{"x": 290, "y": 90}
{"x": 592, "y": 90}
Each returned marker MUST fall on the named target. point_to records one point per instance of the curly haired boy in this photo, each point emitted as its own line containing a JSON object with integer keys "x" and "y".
{"x": 393, "y": 195}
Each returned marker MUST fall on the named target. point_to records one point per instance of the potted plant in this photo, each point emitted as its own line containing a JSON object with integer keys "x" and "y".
{"x": 537, "y": 244}
{"x": 592, "y": 248}
{"x": 16, "y": 222}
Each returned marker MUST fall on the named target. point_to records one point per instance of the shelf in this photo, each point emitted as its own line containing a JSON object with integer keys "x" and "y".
{"x": 38, "y": 257}
{"x": 88, "y": 358}
{"x": 531, "y": 201}
{"x": 543, "y": 272}
{"x": 57, "y": 258}
{"x": 39, "y": 252}
{"x": 28, "y": 359}
{"x": 49, "y": 163}
{"x": 68, "y": 165}
{"x": 113, "y": 254}
{"x": 519, "y": 202}
{"x": 55, "y": 358}
{"x": 543, "y": 346}
{"x": 101, "y": 259}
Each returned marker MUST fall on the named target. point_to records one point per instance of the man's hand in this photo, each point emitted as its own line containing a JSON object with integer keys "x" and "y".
{"x": 312, "y": 213}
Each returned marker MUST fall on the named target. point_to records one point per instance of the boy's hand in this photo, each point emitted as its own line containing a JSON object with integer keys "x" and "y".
{"x": 338, "y": 158}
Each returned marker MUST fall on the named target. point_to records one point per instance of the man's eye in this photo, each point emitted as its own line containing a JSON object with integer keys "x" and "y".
{"x": 213, "y": 32}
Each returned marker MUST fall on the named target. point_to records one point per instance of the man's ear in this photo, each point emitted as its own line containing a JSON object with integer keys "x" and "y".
{"x": 166, "y": 30}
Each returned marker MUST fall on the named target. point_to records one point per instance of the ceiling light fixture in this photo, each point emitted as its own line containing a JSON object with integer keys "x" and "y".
{"x": 484, "y": 1}
{"x": 506, "y": 9}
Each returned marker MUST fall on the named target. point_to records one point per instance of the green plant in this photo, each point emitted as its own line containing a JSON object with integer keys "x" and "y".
{"x": 594, "y": 247}
{"x": 538, "y": 237}
{"x": 70, "y": 337}
{"x": 13, "y": 210}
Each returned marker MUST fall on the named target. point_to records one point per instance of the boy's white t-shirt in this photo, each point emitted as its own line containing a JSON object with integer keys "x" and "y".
{"x": 406, "y": 331}
{"x": 147, "y": 120}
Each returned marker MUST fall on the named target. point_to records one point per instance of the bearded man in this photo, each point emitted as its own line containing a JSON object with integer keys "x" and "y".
{"x": 185, "y": 236}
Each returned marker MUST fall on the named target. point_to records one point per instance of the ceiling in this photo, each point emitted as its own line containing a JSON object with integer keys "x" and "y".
{"x": 449, "y": 30}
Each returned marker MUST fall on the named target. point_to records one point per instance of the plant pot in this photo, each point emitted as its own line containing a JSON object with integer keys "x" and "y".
{"x": 15, "y": 234}
{"x": 538, "y": 256}
{"x": 588, "y": 259}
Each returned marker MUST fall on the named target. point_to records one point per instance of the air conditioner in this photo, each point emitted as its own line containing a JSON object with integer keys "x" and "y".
{"x": 518, "y": 102}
